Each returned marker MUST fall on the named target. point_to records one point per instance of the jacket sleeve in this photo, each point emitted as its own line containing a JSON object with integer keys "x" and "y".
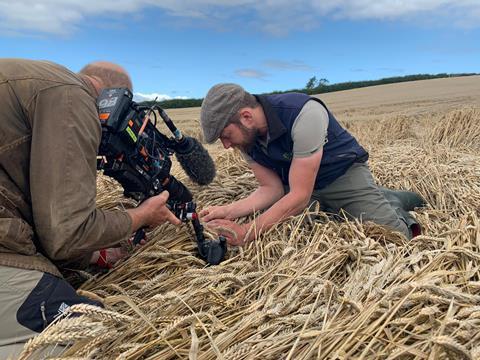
{"x": 65, "y": 138}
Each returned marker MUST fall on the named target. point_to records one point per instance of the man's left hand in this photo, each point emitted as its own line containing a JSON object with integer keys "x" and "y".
{"x": 233, "y": 232}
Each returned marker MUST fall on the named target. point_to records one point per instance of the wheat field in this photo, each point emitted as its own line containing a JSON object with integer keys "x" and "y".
{"x": 311, "y": 288}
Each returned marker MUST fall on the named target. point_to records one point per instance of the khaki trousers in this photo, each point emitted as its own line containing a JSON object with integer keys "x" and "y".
{"x": 15, "y": 286}
{"x": 359, "y": 197}
{"x": 29, "y": 301}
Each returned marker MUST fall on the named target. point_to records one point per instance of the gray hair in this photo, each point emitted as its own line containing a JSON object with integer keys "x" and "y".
{"x": 111, "y": 75}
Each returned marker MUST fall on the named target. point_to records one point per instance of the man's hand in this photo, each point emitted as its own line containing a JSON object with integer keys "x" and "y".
{"x": 215, "y": 212}
{"x": 233, "y": 232}
{"x": 152, "y": 212}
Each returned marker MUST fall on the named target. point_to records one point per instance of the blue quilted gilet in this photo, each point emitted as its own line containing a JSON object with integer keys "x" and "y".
{"x": 281, "y": 110}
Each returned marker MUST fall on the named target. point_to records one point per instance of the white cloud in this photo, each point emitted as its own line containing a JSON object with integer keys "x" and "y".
{"x": 287, "y": 65}
{"x": 57, "y": 16}
{"x": 250, "y": 73}
{"x": 277, "y": 17}
{"x": 160, "y": 97}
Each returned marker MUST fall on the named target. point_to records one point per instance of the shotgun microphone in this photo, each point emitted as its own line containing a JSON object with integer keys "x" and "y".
{"x": 190, "y": 153}
{"x": 195, "y": 160}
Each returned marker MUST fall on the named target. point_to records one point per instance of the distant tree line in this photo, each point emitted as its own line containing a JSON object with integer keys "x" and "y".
{"x": 317, "y": 86}
{"x": 175, "y": 103}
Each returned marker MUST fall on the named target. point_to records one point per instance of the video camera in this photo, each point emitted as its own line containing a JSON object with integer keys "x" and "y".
{"x": 136, "y": 154}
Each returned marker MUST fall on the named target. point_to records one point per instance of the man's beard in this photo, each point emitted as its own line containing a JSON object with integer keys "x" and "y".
{"x": 251, "y": 136}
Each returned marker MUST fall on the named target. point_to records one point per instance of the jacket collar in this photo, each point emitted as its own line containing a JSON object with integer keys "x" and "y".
{"x": 92, "y": 90}
{"x": 275, "y": 127}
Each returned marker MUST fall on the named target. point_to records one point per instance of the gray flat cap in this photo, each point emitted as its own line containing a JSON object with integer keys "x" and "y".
{"x": 219, "y": 106}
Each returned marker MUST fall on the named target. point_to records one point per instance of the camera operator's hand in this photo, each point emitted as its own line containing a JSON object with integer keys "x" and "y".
{"x": 152, "y": 212}
{"x": 215, "y": 212}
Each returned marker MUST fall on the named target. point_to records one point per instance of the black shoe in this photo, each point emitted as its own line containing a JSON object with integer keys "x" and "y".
{"x": 403, "y": 202}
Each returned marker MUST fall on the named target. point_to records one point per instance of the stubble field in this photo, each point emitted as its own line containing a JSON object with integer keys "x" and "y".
{"x": 310, "y": 287}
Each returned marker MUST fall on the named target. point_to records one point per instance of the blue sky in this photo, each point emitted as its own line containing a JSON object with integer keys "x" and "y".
{"x": 175, "y": 48}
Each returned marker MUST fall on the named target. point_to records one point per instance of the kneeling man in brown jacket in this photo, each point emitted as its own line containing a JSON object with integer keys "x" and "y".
{"x": 49, "y": 137}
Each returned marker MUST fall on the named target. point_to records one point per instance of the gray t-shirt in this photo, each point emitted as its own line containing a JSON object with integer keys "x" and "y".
{"x": 309, "y": 130}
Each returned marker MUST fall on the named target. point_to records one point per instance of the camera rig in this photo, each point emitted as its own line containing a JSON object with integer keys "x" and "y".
{"x": 136, "y": 154}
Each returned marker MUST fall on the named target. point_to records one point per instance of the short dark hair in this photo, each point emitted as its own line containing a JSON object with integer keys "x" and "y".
{"x": 111, "y": 76}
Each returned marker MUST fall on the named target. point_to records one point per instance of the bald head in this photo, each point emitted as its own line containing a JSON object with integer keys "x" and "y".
{"x": 109, "y": 74}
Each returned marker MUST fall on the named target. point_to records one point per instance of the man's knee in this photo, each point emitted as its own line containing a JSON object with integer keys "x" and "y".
{"x": 49, "y": 299}
{"x": 30, "y": 300}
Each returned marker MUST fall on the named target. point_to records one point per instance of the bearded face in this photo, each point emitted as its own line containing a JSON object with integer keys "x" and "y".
{"x": 250, "y": 136}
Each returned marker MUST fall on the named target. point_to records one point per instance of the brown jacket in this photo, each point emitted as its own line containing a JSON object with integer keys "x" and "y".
{"x": 49, "y": 136}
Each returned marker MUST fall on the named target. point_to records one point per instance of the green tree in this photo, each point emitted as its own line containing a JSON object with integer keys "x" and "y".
{"x": 312, "y": 83}
{"x": 323, "y": 82}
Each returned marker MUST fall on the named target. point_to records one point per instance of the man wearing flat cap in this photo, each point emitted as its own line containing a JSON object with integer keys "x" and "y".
{"x": 299, "y": 153}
